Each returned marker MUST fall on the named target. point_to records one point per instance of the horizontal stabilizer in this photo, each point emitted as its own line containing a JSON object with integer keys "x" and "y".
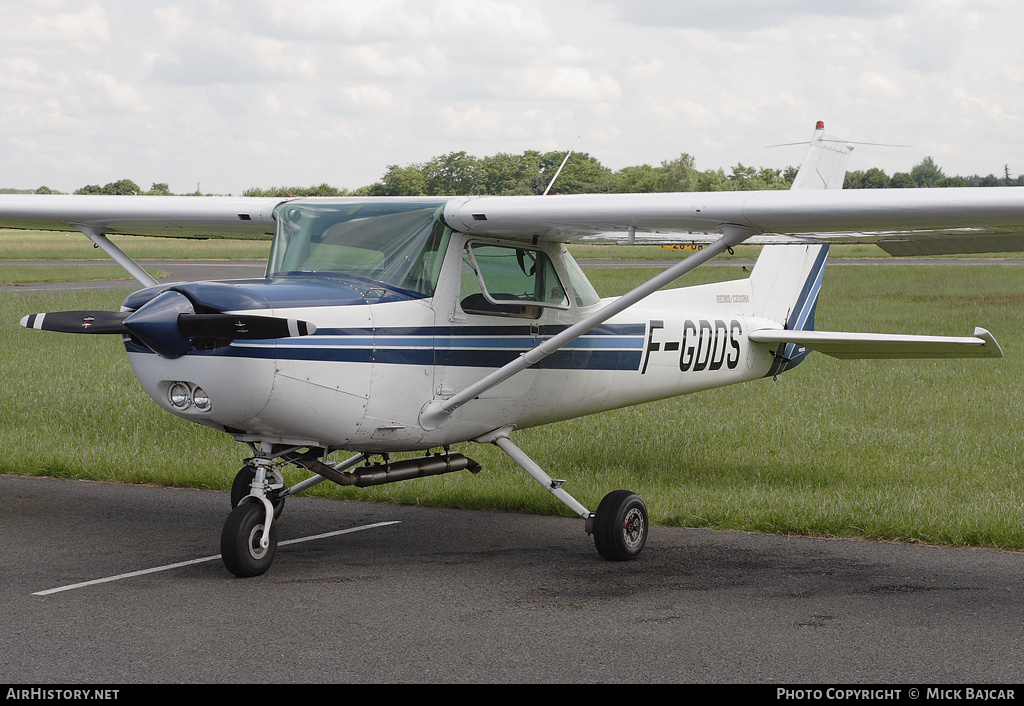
{"x": 882, "y": 345}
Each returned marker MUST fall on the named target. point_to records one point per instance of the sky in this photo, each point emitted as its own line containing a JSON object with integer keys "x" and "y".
{"x": 227, "y": 95}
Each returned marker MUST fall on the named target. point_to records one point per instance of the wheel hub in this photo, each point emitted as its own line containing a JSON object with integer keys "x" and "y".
{"x": 256, "y": 548}
{"x": 633, "y": 528}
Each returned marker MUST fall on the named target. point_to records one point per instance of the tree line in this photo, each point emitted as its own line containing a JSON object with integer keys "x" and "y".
{"x": 504, "y": 174}
{"x": 122, "y": 187}
{"x": 925, "y": 174}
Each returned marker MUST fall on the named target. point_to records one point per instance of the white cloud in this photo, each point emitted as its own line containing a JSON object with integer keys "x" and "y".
{"x": 378, "y": 61}
{"x": 85, "y": 29}
{"x": 236, "y": 94}
{"x": 368, "y": 96}
{"x": 117, "y": 94}
{"x": 567, "y": 83}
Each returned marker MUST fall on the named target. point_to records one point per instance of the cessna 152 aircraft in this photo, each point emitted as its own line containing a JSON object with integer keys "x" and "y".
{"x": 387, "y": 325}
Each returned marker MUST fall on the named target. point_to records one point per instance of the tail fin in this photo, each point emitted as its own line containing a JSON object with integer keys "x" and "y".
{"x": 786, "y": 278}
{"x": 824, "y": 165}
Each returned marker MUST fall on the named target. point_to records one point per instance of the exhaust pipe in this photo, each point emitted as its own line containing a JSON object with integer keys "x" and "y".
{"x": 391, "y": 472}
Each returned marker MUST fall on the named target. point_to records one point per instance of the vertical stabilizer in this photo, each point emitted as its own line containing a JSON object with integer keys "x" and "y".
{"x": 786, "y": 278}
{"x": 824, "y": 166}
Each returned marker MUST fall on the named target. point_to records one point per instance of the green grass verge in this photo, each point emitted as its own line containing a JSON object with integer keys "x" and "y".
{"x": 923, "y": 451}
{"x": 49, "y": 245}
{"x": 22, "y": 274}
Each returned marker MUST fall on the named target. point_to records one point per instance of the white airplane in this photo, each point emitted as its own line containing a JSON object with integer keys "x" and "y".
{"x": 387, "y": 325}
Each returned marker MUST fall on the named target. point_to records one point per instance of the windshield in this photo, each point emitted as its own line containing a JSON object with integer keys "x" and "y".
{"x": 400, "y": 243}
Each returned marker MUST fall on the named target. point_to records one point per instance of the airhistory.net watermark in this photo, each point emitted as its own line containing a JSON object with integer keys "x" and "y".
{"x": 45, "y": 694}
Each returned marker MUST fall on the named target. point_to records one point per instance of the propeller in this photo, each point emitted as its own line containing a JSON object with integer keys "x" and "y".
{"x": 233, "y": 327}
{"x": 77, "y": 321}
{"x": 168, "y": 324}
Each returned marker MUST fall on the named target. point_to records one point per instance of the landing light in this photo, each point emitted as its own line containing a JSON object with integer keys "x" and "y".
{"x": 179, "y": 395}
{"x": 200, "y": 399}
{"x": 184, "y": 395}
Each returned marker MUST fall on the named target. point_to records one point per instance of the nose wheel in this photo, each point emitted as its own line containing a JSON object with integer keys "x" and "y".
{"x": 242, "y": 545}
{"x": 249, "y": 538}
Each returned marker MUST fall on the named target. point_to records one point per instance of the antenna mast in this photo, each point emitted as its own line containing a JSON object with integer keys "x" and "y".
{"x": 567, "y": 155}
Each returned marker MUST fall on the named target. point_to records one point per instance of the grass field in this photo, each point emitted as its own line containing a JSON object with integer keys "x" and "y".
{"x": 58, "y": 272}
{"x": 46, "y": 245}
{"x": 923, "y": 451}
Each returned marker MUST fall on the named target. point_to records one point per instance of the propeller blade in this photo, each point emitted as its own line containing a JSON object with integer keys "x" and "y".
{"x": 168, "y": 326}
{"x": 241, "y": 327}
{"x": 78, "y": 321}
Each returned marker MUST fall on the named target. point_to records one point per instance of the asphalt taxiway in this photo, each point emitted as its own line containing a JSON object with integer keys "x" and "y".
{"x": 108, "y": 583}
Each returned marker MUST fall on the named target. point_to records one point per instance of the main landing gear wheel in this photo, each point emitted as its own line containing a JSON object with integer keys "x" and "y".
{"x": 620, "y": 526}
{"x": 240, "y": 541}
{"x": 242, "y": 486}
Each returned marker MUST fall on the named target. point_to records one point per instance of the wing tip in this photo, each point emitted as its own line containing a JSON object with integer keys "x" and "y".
{"x": 989, "y": 341}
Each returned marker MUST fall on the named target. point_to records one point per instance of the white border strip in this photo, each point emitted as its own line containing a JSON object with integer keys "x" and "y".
{"x": 203, "y": 560}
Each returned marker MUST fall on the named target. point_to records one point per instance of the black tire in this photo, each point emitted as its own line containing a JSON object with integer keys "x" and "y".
{"x": 620, "y": 526}
{"x": 240, "y": 541}
{"x": 242, "y": 486}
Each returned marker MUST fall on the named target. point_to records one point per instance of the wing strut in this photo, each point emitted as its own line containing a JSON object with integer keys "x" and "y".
{"x": 500, "y": 438}
{"x": 437, "y": 412}
{"x": 98, "y": 237}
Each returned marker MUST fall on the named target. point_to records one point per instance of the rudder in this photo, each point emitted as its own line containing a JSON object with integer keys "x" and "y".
{"x": 787, "y": 278}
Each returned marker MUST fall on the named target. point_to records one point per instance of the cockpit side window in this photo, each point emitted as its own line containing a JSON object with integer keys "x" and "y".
{"x": 509, "y": 281}
{"x": 583, "y": 291}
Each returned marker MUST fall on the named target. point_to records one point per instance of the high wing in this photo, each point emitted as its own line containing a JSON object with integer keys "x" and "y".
{"x": 167, "y": 216}
{"x": 901, "y": 221}
{"x": 173, "y": 216}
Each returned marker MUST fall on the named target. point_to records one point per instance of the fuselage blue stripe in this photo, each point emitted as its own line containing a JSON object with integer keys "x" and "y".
{"x": 561, "y": 359}
{"x": 604, "y": 330}
{"x": 608, "y": 350}
{"x": 522, "y": 343}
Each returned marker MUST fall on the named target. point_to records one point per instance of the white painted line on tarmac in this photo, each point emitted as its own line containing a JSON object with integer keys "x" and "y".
{"x": 168, "y": 567}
